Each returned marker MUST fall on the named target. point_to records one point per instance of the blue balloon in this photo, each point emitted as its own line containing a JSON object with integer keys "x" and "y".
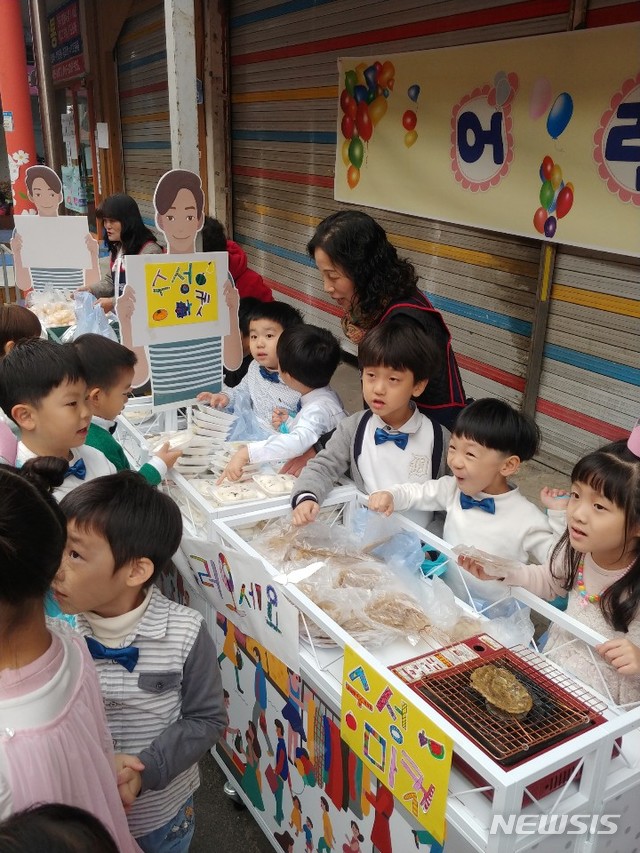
{"x": 414, "y": 92}
{"x": 360, "y": 93}
{"x": 371, "y": 76}
{"x": 559, "y": 115}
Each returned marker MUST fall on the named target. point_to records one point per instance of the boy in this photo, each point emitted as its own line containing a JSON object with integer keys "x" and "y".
{"x": 488, "y": 443}
{"x": 307, "y": 359}
{"x": 108, "y": 368}
{"x": 391, "y": 439}
{"x": 155, "y": 659}
{"x": 43, "y": 390}
{"x": 245, "y": 310}
{"x": 262, "y": 382}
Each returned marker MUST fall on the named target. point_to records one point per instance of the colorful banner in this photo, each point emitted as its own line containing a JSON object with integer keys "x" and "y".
{"x": 65, "y": 39}
{"x": 512, "y": 136}
{"x": 240, "y": 588}
{"x": 397, "y": 742}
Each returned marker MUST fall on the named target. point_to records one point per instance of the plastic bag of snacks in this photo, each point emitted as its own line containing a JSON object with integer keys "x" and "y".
{"x": 54, "y": 308}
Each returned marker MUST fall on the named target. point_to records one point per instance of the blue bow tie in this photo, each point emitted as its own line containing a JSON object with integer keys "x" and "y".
{"x": 487, "y": 504}
{"x": 269, "y": 375}
{"x": 127, "y": 657}
{"x": 400, "y": 439}
{"x": 78, "y": 469}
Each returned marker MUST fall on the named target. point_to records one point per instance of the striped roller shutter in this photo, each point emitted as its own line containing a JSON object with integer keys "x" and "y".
{"x": 590, "y": 385}
{"x": 144, "y": 106}
{"x": 284, "y": 101}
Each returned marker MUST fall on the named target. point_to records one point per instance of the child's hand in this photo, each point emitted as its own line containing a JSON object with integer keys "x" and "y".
{"x": 235, "y": 466}
{"x": 381, "y": 502}
{"x": 168, "y": 456}
{"x": 305, "y": 513}
{"x": 217, "y": 401}
{"x": 278, "y": 417}
{"x": 129, "y": 779}
{"x": 471, "y": 565}
{"x": 294, "y": 466}
{"x": 622, "y": 655}
{"x": 554, "y": 498}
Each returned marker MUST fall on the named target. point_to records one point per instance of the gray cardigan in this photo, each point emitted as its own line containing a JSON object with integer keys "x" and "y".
{"x": 105, "y": 287}
{"x": 340, "y": 456}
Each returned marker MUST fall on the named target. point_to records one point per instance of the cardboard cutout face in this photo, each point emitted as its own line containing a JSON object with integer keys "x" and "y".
{"x": 43, "y": 190}
{"x": 179, "y": 204}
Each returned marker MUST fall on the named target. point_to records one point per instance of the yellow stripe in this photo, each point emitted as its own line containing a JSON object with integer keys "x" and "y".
{"x": 136, "y": 34}
{"x": 312, "y": 93}
{"x": 601, "y": 301}
{"x": 287, "y": 215}
{"x": 140, "y": 119}
{"x": 546, "y": 273}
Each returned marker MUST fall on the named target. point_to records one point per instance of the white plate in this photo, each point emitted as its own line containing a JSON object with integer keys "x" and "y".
{"x": 275, "y": 484}
{"x": 236, "y": 493}
{"x": 178, "y": 440}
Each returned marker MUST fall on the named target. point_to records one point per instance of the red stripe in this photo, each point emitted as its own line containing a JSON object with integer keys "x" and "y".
{"x": 304, "y": 297}
{"x": 287, "y": 177}
{"x": 143, "y": 90}
{"x": 625, "y": 13}
{"x": 577, "y": 419}
{"x": 449, "y": 23}
{"x": 510, "y": 380}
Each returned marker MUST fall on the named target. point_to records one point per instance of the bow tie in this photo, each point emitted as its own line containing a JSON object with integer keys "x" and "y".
{"x": 127, "y": 657}
{"x": 113, "y": 428}
{"x": 269, "y": 375}
{"x": 487, "y": 504}
{"x": 78, "y": 469}
{"x": 400, "y": 439}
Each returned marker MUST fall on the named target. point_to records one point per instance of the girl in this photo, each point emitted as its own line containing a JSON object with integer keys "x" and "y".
{"x": 354, "y": 842}
{"x": 54, "y": 744}
{"x": 124, "y": 234}
{"x": 597, "y": 562}
{"x": 362, "y": 272}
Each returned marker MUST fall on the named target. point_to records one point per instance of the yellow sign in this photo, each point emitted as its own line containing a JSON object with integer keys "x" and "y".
{"x": 181, "y": 293}
{"x": 397, "y": 741}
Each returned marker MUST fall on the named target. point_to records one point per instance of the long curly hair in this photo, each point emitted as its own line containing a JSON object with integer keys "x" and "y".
{"x": 359, "y": 246}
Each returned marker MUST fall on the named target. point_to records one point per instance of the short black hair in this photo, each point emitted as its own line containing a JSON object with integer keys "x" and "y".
{"x": 134, "y": 517}
{"x": 310, "y": 354}
{"x": 103, "y": 360}
{"x": 32, "y": 370}
{"x": 498, "y": 426}
{"x": 278, "y": 312}
{"x": 248, "y": 304}
{"x": 214, "y": 238}
{"x": 56, "y": 828}
{"x": 400, "y": 343}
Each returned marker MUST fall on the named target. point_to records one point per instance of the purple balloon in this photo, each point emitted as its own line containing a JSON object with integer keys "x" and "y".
{"x": 550, "y": 226}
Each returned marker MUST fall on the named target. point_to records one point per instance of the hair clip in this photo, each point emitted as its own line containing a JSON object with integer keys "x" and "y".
{"x": 633, "y": 442}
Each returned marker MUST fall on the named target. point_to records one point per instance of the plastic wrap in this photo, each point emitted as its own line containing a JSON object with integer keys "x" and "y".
{"x": 246, "y": 426}
{"x": 53, "y": 308}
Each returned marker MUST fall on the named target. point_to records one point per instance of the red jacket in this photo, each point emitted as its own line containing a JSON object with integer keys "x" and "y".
{"x": 248, "y": 282}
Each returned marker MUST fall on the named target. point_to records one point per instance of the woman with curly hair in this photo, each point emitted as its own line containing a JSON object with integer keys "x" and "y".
{"x": 362, "y": 272}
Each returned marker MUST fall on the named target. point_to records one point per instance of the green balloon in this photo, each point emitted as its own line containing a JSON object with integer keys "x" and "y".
{"x": 356, "y": 151}
{"x": 546, "y": 194}
{"x": 350, "y": 81}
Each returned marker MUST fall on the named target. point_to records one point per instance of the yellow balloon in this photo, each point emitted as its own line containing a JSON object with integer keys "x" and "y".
{"x": 353, "y": 176}
{"x": 556, "y": 176}
{"x": 569, "y": 186}
{"x": 377, "y": 109}
{"x": 345, "y": 153}
{"x": 360, "y": 69}
{"x": 410, "y": 137}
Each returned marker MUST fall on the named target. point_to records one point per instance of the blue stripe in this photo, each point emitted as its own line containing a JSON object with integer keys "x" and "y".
{"x": 481, "y": 315}
{"x": 144, "y": 60}
{"x": 139, "y": 145}
{"x": 593, "y": 364}
{"x": 278, "y": 251}
{"x": 312, "y": 136}
{"x": 276, "y": 12}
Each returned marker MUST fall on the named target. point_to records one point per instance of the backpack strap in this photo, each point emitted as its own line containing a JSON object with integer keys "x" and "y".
{"x": 436, "y": 454}
{"x": 357, "y": 441}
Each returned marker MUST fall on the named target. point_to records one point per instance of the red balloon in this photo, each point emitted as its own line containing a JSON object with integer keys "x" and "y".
{"x": 564, "y": 202}
{"x": 347, "y": 126}
{"x": 363, "y": 122}
{"x": 539, "y": 218}
{"x": 409, "y": 120}
{"x": 348, "y": 104}
{"x": 547, "y": 166}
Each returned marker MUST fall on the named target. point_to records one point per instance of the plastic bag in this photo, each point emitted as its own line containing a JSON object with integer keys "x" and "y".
{"x": 513, "y": 630}
{"x": 90, "y": 317}
{"x": 52, "y": 307}
{"x": 384, "y": 538}
{"x": 246, "y": 426}
{"x": 439, "y": 604}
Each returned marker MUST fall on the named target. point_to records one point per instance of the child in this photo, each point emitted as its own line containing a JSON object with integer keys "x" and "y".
{"x": 55, "y": 827}
{"x": 59, "y": 748}
{"x": 164, "y": 698}
{"x": 489, "y": 441}
{"x": 307, "y": 359}
{"x": 16, "y": 324}
{"x": 389, "y": 441}
{"x": 262, "y": 382}
{"x": 245, "y": 310}
{"x": 42, "y": 389}
{"x": 108, "y": 369}
{"x": 597, "y": 562}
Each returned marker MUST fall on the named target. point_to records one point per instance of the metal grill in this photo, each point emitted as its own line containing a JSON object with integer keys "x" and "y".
{"x": 561, "y": 708}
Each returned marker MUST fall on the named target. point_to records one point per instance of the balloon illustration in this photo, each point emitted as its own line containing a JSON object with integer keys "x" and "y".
{"x": 550, "y": 226}
{"x": 546, "y": 169}
{"x": 347, "y": 126}
{"x": 556, "y": 198}
{"x": 363, "y": 122}
{"x": 559, "y": 115}
{"x": 386, "y": 75}
{"x": 371, "y": 77}
{"x": 546, "y": 195}
{"x": 345, "y": 152}
{"x": 556, "y": 176}
{"x": 564, "y": 202}
{"x": 503, "y": 90}
{"x": 409, "y": 120}
{"x": 540, "y": 98}
{"x": 414, "y": 92}
{"x": 348, "y": 104}
{"x": 377, "y": 109}
{"x": 350, "y": 81}
{"x": 353, "y": 176}
{"x": 360, "y": 93}
{"x": 410, "y": 137}
{"x": 356, "y": 152}
{"x": 539, "y": 218}
{"x": 360, "y": 69}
